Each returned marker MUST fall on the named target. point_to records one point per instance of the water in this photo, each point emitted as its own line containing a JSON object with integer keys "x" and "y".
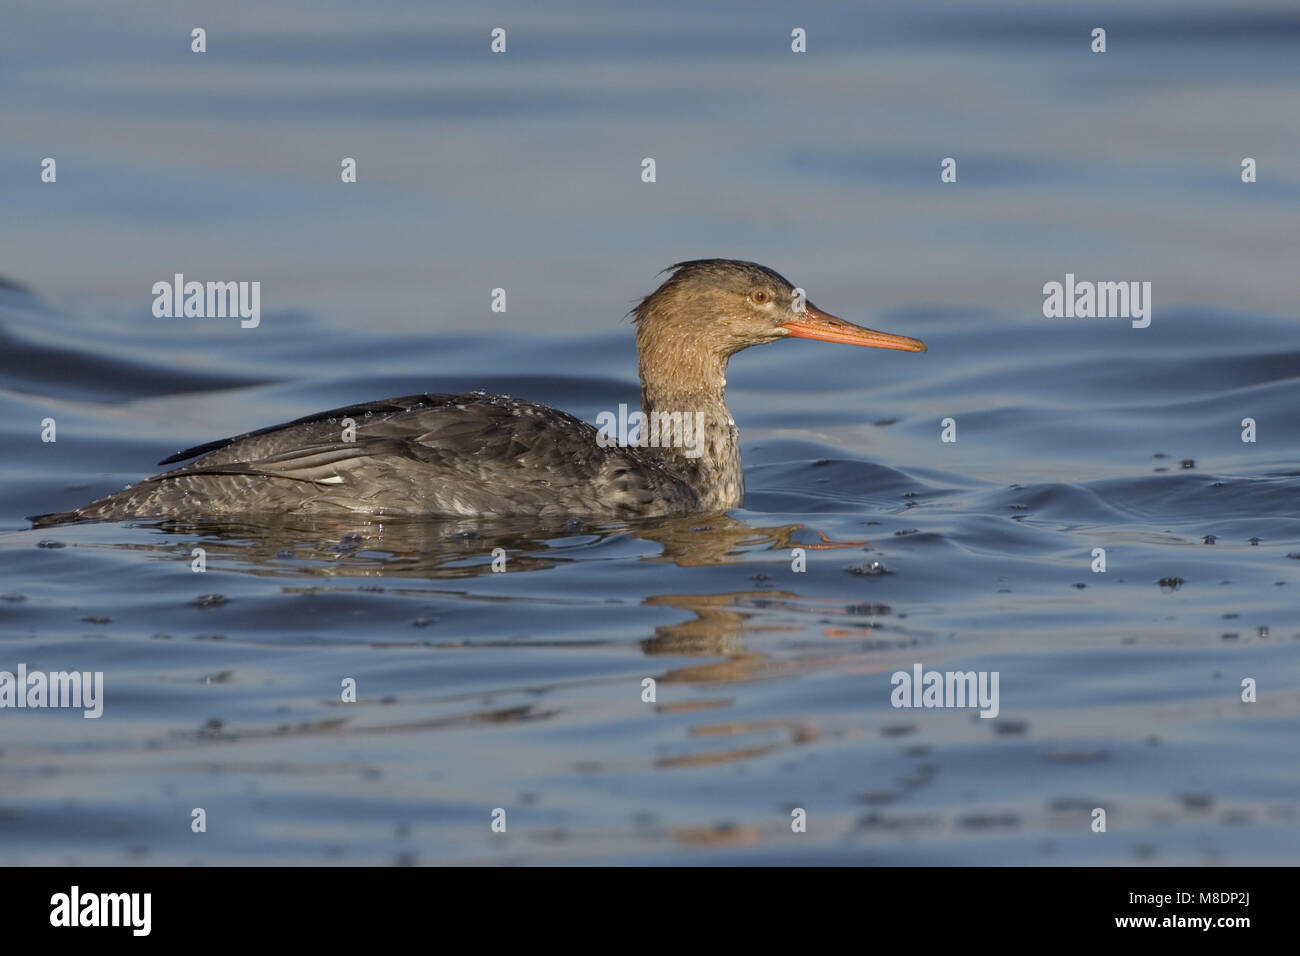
{"x": 522, "y": 690}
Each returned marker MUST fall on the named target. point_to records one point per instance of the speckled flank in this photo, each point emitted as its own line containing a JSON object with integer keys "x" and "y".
{"x": 423, "y": 454}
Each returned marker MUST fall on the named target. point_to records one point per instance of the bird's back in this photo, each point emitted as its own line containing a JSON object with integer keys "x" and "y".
{"x": 463, "y": 454}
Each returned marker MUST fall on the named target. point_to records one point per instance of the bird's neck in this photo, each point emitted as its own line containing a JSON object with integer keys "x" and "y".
{"x": 691, "y": 430}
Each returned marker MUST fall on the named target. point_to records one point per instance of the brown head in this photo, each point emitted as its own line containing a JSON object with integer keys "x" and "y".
{"x": 710, "y": 309}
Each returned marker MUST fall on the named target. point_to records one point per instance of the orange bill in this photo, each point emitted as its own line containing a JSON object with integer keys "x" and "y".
{"x": 813, "y": 323}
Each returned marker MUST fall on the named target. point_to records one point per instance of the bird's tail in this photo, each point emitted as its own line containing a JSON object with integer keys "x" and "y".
{"x": 55, "y": 517}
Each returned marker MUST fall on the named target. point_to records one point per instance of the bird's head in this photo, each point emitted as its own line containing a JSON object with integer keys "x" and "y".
{"x": 720, "y": 306}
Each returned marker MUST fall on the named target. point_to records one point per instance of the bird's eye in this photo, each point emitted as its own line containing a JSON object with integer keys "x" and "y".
{"x": 760, "y": 296}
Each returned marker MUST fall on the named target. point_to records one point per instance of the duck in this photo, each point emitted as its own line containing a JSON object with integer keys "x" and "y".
{"x": 474, "y": 453}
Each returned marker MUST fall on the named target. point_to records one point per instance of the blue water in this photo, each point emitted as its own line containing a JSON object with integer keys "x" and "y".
{"x": 523, "y": 690}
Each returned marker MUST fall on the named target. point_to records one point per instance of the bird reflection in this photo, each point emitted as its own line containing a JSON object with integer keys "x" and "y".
{"x": 449, "y": 548}
{"x": 724, "y": 638}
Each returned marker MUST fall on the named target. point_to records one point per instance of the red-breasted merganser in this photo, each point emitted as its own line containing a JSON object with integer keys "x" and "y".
{"x": 478, "y": 454}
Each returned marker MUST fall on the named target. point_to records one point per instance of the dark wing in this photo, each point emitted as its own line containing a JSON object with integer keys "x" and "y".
{"x": 357, "y": 412}
{"x": 422, "y": 454}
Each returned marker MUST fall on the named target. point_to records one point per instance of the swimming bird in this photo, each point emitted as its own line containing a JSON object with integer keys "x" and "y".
{"x": 480, "y": 454}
